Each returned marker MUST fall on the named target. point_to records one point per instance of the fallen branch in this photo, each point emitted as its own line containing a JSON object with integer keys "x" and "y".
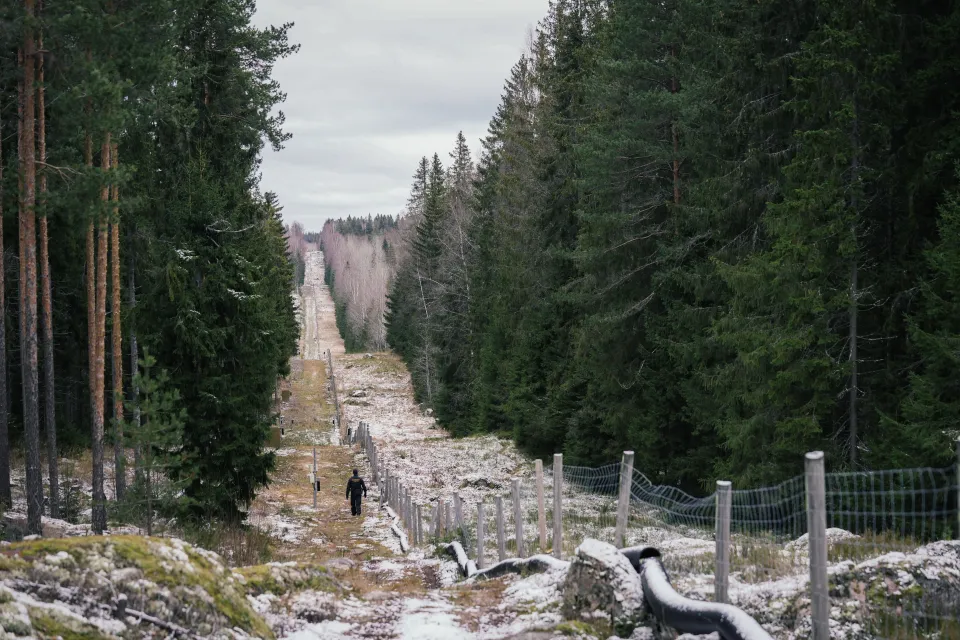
{"x": 534, "y": 564}
{"x": 168, "y": 626}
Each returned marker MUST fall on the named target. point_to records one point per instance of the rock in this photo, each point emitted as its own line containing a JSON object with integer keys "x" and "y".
{"x": 602, "y": 581}
{"x": 377, "y": 596}
{"x": 359, "y": 393}
{"x": 341, "y": 564}
{"x": 314, "y": 606}
{"x": 53, "y": 528}
{"x": 368, "y": 356}
{"x": 479, "y": 482}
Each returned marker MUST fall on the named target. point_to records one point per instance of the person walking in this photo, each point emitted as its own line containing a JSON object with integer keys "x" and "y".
{"x": 355, "y": 488}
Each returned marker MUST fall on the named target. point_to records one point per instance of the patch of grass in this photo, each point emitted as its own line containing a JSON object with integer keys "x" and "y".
{"x": 578, "y": 629}
{"x": 893, "y": 625}
{"x": 870, "y": 545}
{"x": 279, "y": 580}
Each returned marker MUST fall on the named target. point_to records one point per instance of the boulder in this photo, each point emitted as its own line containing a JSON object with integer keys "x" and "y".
{"x": 340, "y": 564}
{"x": 314, "y": 606}
{"x": 601, "y": 583}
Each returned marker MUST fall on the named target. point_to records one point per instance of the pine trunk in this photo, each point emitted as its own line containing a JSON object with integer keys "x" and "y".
{"x": 5, "y": 497}
{"x": 134, "y": 389}
{"x": 49, "y": 388}
{"x": 91, "y": 282}
{"x": 117, "y": 335}
{"x": 28, "y": 281}
{"x": 99, "y": 519}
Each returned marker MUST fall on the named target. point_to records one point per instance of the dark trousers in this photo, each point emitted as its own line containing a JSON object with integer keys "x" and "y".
{"x": 355, "y": 504}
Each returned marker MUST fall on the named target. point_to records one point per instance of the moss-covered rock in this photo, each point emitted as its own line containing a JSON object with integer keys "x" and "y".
{"x": 71, "y": 587}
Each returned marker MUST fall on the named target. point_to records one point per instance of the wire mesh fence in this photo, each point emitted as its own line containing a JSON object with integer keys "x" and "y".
{"x": 876, "y": 526}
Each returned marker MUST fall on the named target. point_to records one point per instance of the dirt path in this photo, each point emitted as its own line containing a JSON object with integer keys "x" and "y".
{"x": 286, "y": 508}
{"x": 363, "y": 550}
{"x": 394, "y": 596}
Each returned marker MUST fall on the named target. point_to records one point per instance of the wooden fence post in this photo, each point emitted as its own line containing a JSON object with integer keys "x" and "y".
{"x": 623, "y": 501}
{"x": 541, "y": 507}
{"x": 721, "y": 572}
{"x": 314, "y": 477}
{"x": 817, "y": 539}
{"x": 449, "y": 516}
{"x": 557, "y": 510}
{"x": 480, "y": 532}
{"x": 501, "y": 534}
{"x": 458, "y": 511}
{"x": 518, "y": 518}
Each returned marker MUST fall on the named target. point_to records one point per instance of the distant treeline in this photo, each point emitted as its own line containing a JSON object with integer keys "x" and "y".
{"x": 718, "y": 233}
{"x": 359, "y": 263}
{"x": 366, "y": 226}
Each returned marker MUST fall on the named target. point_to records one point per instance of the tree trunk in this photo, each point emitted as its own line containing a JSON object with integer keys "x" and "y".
{"x": 854, "y": 290}
{"x": 99, "y": 518}
{"x": 28, "y": 281}
{"x": 5, "y": 497}
{"x": 134, "y": 389}
{"x": 91, "y": 282}
{"x": 49, "y": 388}
{"x": 117, "y": 335}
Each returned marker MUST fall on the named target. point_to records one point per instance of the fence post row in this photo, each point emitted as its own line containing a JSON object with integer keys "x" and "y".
{"x": 557, "y": 513}
{"x": 518, "y": 517}
{"x": 541, "y": 509}
{"x": 480, "y": 532}
{"x": 501, "y": 534}
{"x": 722, "y": 555}
{"x": 817, "y": 539}
{"x": 623, "y": 500}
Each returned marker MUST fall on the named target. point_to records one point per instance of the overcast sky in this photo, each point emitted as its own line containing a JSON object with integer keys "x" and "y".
{"x": 376, "y": 85}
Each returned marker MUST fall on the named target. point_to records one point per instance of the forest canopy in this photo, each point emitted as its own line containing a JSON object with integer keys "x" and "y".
{"x": 131, "y": 136}
{"x": 720, "y": 234}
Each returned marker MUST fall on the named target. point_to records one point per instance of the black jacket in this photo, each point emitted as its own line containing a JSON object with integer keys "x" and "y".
{"x": 355, "y": 486}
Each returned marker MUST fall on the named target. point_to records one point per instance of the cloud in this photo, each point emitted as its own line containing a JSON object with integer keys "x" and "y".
{"x": 376, "y": 85}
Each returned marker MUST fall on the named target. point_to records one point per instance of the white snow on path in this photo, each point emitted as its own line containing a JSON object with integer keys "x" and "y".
{"x": 429, "y": 619}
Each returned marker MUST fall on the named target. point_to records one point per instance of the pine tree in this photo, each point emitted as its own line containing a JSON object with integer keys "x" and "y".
{"x": 930, "y": 413}
{"x": 49, "y": 380}
{"x": 5, "y": 497}
{"x": 117, "y": 335}
{"x": 28, "y": 273}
